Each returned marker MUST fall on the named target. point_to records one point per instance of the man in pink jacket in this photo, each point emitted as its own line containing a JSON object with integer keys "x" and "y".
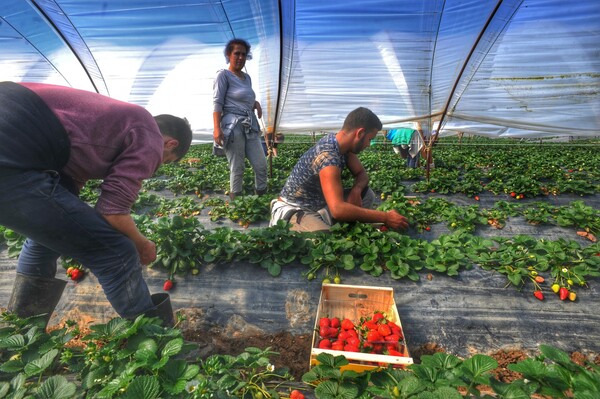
{"x": 54, "y": 139}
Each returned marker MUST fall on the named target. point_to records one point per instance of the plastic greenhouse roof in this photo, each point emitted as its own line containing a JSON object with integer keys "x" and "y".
{"x": 512, "y": 68}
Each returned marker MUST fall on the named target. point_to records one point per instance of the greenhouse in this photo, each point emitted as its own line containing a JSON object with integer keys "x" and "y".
{"x": 490, "y": 291}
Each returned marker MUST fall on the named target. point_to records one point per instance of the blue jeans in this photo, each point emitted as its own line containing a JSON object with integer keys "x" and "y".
{"x": 239, "y": 148}
{"x": 413, "y": 162}
{"x": 56, "y": 222}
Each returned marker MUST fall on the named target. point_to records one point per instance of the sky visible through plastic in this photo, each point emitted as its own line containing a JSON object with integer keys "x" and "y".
{"x": 512, "y": 68}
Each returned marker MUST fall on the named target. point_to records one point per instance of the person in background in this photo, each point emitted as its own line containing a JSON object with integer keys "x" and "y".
{"x": 313, "y": 197}
{"x": 408, "y": 143}
{"x": 235, "y": 122}
{"x": 54, "y": 139}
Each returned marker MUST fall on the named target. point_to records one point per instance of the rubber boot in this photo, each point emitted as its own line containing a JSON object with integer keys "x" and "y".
{"x": 33, "y": 296}
{"x": 162, "y": 309}
{"x": 260, "y": 192}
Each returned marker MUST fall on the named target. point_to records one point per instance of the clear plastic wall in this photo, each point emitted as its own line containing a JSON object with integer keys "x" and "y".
{"x": 512, "y": 68}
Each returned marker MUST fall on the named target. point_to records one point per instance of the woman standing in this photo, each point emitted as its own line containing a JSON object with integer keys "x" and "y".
{"x": 235, "y": 123}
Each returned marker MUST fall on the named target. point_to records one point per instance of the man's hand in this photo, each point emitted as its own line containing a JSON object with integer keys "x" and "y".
{"x": 147, "y": 252}
{"x": 394, "y": 220}
{"x": 124, "y": 223}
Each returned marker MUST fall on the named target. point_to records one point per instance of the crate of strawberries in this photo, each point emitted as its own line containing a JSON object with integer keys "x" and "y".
{"x": 362, "y": 323}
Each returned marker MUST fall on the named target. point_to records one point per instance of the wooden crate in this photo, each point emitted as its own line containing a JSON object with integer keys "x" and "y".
{"x": 354, "y": 302}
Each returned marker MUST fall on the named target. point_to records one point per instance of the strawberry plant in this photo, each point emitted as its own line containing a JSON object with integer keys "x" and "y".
{"x": 539, "y": 212}
{"x": 464, "y": 218}
{"x": 499, "y": 213}
{"x": 274, "y": 247}
{"x": 329, "y": 253}
{"x": 579, "y": 215}
{"x": 223, "y": 245}
{"x": 250, "y": 208}
{"x": 445, "y": 255}
{"x": 178, "y": 243}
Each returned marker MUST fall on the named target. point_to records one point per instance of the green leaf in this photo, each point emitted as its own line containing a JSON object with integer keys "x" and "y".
{"x": 12, "y": 366}
{"x": 172, "y": 347}
{"x": 274, "y": 269}
{"x": 479, "y": 364}
{"x": 448, "y": 393}
{"x": 16, "y": 341}
{"x": 143, "y": 387}
{"x": 56, "y": 387}
{"x": 37, "y": 366}
{"x": 555, "y": 354}
{"x": 530, "y": 368}
{"x": 4, "y": 388}
{"x": 410, "y": 386}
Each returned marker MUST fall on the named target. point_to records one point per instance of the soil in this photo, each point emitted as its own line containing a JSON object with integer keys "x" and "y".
{"x": 294, "y": 352}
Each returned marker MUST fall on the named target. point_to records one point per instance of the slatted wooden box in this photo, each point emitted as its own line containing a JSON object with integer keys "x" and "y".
{"x": 354, "y": 302}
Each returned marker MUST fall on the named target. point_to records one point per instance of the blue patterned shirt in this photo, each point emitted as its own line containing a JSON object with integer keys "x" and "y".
{"x": 303, "y": 186}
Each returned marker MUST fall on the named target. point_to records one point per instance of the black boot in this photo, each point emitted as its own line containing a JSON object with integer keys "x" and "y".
{"x": 162, "y": 309}
{"x": 32, "y": 296}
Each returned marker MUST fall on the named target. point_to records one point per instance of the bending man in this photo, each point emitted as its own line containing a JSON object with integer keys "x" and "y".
{"x": 54, "y": 139}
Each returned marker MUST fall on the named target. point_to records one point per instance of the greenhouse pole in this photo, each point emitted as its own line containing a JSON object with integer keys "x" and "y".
{"x": 434, "y": 137}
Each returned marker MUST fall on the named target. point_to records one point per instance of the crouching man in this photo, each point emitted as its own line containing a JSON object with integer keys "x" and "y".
{"x": 313, "y": 197}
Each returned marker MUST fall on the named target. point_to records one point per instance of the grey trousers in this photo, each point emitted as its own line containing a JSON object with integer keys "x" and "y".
{"x": 239, "y": 148}
{"x": 314, "y": 221}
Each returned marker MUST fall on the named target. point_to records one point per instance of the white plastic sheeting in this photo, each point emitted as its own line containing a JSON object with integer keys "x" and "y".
{"x": 516, "y": 68}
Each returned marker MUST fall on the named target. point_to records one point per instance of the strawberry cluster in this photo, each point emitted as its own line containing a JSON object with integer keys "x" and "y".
{"x": 373, "y": 334}
{"x": 75, "y": 273}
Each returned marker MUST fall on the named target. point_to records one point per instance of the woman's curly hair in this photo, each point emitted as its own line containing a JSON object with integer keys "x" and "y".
{"x": 233, "y": 42}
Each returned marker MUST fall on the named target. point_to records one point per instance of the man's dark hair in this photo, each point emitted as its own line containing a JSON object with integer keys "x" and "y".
{"x": 233, "y": 42}
{"x": 177, "y": 128}
{"x": 362, "y": 117}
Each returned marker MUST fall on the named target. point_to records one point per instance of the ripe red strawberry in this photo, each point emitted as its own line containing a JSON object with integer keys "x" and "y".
{"x": 373, "y": 336}
{"x": 392, "y": 338}
{"x": 296, "y": 394}
{"x": 513, "y": 194}
{"x": 343, "y": 335}
{"x": 354, "y": 341}
{"x": 76, "y": 274}
{"x": 352, "y": 333}
{"x": 168, "y": 285}
{"x": 383, "y": 228}
{"x": 370, "y": 325}
{"x": 563, "y": 293}
{"x": 324, "y": 322}
{"x": 384, "y": 330}
{"x": 325, "y": 344}
{"x": 428, "y": 228}
{"x": 337, "y": 345}
{"x": 351, "y": 348}
{"x": 476, "y": 198}
{"x": 335, "y": 322}
{"x": 539, "y": 295}
{"x": 333, "y": 332}
{"x": 347, "y": 324}
{"x": 324, "y": 332}
{"x": 393, "y": 352}
{"x": 378, "y": 316}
